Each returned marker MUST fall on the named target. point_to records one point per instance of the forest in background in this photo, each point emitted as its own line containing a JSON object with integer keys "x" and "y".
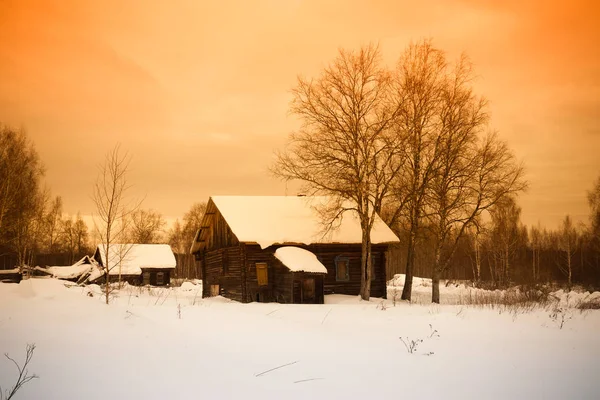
{"x": 34, "y": 230}
{"x": 412, "y": 143}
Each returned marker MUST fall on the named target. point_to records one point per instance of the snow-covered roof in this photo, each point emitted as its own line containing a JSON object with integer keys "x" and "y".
{"x": 269, "y": 220}
{"x": 70, "y": 272}
{"x": 129, "y": 259}
{"x": 299, "y": 260}
{"x": 9, "y": 271}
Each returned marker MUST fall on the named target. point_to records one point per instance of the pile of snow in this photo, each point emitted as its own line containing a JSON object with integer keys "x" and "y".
{"x": 72, "y": 272}
{"x": 269, "y": 220}
{"x": 188, "y": 286}
{"x": 574, "y": 298}
{"x": 299, "y": 260}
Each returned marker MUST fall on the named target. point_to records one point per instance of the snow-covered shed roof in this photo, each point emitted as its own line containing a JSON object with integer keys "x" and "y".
{"x": 269, "y": 220}
{"x": 129, "y": 259}
{"x": 299, "y": 260}
{"x": 83, "y": 266}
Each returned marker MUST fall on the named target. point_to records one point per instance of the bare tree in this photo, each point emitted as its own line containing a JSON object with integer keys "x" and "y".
{"x": 454, "y": 172}
{"x": 29, "y": 225}
{"x": 420, "y": 78}
{"x": 21, "y": 195}
{"x": 505, "y": 236}
{"x": 181, "y": 237}
{"x": 469, "y": 181}
{"x": 345, "y": 148}
{"x": 146, "y": 226}
{"x": 53, "y": 221}
{"x": 74, "y": 238}
{"x": 20, "y": 171}
{"x": 567, "y": 242}
{"x": 594, "y": 202}
{"x": 536, "y": 236}
{"x": 112, "y": 207}
{"x": 80, "y": 231}
{"x": 23, "y": 377}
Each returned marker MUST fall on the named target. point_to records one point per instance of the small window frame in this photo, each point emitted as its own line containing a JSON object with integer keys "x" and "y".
{"x": 160, "y": 278}
{"x": 146, "y": 278}
{"x": 263, "y": 266}
{"x": 339, "y": 259}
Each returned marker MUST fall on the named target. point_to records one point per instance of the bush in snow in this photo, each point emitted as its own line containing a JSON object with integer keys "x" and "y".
{"x": 23, "y": 376}
{"x": 411, "y": 344}
{"x": 560, "y": 315}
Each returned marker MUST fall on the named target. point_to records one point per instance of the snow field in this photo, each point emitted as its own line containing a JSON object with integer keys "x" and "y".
{"x": 169, "y": 343}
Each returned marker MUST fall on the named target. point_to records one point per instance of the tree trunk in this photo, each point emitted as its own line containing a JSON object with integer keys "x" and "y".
{"x": 569, "y": 271}
{"x": 410, "y": 260}
{"x": 507, "y": 269}
{"x": 107, "y": 277}
{"x": 437, "y": 267}
{"x": 533, "y": 264}
{"x": 477, "y": 259}
{"x": 365, "y": 269}
{"x": 435, "y": 286}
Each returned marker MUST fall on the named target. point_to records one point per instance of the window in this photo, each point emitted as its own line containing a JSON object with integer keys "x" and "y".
{"x": 214, "y": 290}
{"x": 342, "y": 269}
{"x": 146, "y": 278}
{"x": 160, "y": 278}
{"x": 262, "y": 274}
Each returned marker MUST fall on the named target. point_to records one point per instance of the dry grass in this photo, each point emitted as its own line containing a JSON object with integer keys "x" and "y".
{"x": 593, "y": 304}
{"x": 516, "y": 300}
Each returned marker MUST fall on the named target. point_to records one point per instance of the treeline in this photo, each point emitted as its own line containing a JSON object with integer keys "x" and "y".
{"x": 35, "y": 230}
{"x": 502, "y": 251}
{"x": 32, "y": 222}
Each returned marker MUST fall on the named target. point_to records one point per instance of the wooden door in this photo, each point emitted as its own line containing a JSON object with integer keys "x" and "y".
{"x": 308, "y": 291}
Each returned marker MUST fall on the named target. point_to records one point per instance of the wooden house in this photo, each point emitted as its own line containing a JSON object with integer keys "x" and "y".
{"x": 276, "y": 248}
{"x": 137, "y": 264}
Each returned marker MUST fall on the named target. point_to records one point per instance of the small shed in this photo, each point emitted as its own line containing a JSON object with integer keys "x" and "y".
{"x": 10, "y": 275}
{"x": 138, "y": 264}
{"x": 276, "y": 248}
{"x": 75, "y": 272}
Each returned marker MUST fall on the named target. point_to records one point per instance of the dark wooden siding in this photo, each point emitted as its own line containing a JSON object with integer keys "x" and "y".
{"x": 279, "y": 286}
{"x": 281, "y": 280}
{"x": 327, "y": 254}
{"x": 223, "y": 267}
{"x": 220, "y": 234}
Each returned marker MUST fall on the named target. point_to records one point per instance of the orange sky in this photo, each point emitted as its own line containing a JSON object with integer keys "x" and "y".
{"x": 198, "y": 91}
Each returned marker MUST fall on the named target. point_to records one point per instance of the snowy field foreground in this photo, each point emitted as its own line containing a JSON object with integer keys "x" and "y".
{"x": 171, "y": 344}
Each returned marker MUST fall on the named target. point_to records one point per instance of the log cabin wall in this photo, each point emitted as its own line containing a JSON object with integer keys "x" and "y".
{"x": 220, "y": 234}
{"x": 279, "y": 287}
{"x": 223, "y": 267}
{"x": 328, "y": 253}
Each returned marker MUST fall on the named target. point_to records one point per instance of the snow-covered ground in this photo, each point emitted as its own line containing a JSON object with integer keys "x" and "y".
{"x": 171, "y": 344}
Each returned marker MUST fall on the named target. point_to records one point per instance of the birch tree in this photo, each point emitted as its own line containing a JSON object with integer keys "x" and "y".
{"x": 419, "y": 82}
{"x": 567, "y": 242}
{"x": 21, "y": 193}
{"x": 345, "y": 148}
{"x": 53, "y": 221}
{"x": 113, "y": 207}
